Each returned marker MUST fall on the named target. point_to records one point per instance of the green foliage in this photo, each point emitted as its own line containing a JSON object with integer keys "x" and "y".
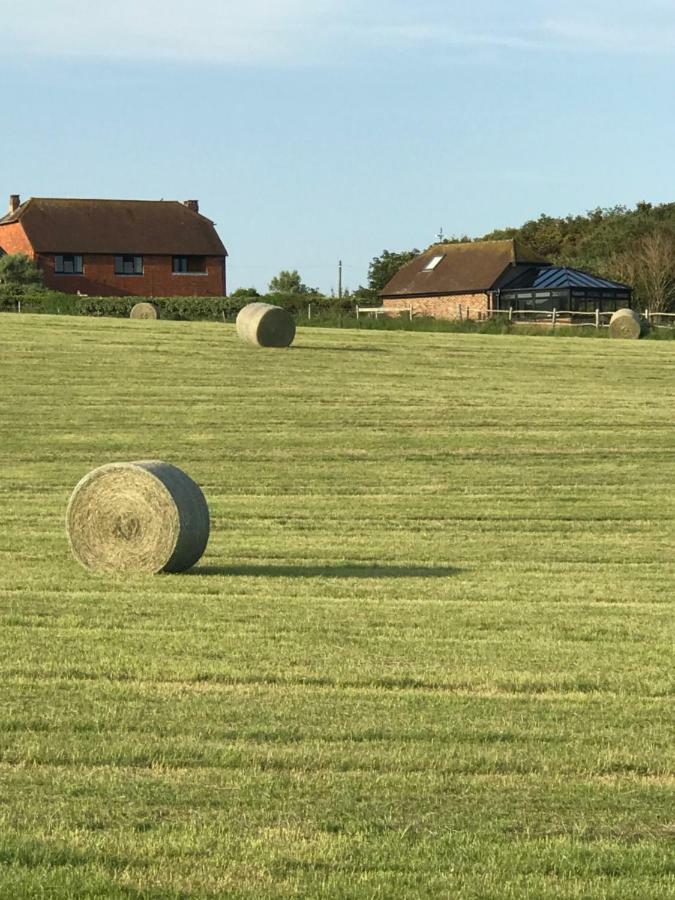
{"x": 19, "y": 271}
{"x": 185, "y": 308}
{"x": 382, "y": 268}
{"x": 290, "y": 282}
{"x": 245, "y": 293}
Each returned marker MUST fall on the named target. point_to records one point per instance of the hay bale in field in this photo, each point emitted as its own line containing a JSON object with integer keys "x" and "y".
{"x": 265, "y": 325}
{"x": 628, "y": 324}
{"x": 144, "y": 311}
{"x": 146, "y": 516}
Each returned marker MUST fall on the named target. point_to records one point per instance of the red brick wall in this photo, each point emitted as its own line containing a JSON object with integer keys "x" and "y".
{"x": 455, "y": 306}
{"x": 157, "y": 280}
{"x": 13, "y": 239}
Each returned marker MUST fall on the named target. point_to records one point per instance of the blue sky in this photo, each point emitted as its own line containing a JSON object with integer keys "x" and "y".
{"x": 318, "y": 130}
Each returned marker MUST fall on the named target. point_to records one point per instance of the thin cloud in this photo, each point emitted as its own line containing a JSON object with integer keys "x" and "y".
{"x": 316, "y": 32}
{"x": 629, "y": 38}
{"x": 210, "y": 31}
{"x": 412, "y": 35}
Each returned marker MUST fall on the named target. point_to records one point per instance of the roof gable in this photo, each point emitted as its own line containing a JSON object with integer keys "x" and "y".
{"x": 116, "y": 226}
{"x": 463, "y": 268}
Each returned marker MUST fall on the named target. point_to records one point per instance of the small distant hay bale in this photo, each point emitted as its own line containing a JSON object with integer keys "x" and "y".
{"x": 145, "y": 516}
{"x": 627, "y": 324}
{"x": 144, "y": 311}
{"x": 265, "y": 325}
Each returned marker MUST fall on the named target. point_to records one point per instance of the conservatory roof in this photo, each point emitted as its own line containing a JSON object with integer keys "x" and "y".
{"x": 546, "y": 277}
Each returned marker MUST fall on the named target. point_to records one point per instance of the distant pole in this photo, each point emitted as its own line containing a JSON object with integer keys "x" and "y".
{"x": 339, "y": 279}
{"x": 440, "y": 235}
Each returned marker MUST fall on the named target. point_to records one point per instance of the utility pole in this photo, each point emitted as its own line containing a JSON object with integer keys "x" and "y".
{"x": 440, "y": 235}
{"x": 339, "y": 279}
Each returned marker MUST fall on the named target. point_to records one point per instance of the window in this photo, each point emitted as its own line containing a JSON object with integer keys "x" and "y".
{"x": 189, "y": 265}
{"x": 68, "y": 264}
{"x": 128, "y": 265}
{"x": 433, "y": 262}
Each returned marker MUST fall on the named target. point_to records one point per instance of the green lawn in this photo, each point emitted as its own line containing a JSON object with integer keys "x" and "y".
{"x": 428, "y": 652}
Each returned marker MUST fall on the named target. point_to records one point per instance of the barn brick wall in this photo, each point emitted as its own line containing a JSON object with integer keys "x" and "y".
{"x": 454, "y": 306}
{"x": 13, "y": 239}
{"x": 99, "y": 278}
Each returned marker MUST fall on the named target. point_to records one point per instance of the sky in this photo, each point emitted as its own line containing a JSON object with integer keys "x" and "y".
{"x": 313, "y": 131}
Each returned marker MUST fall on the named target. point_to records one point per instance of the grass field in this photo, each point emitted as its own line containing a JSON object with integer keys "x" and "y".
{"x": 428, "y": 652}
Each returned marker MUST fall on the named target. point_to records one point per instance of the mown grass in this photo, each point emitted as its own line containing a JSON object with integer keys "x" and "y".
{"x": 428, "y": 652}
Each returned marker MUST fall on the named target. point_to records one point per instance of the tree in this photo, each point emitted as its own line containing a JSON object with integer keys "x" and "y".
{"x": 289, "y": 282}
{"x": 649, "y": 266}
{"x": 383, "y": 268}
{"x": 243, "y": 292}
{"x": 18, "y": 270}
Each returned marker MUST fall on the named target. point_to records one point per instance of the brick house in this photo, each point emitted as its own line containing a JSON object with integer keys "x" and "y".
{"x": 146, "y": 248}
{"x": 470, "y": 280}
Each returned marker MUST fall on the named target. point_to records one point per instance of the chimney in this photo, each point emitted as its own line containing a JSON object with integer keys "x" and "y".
{"x": 14, "y": 202}
{"x": 192, "y": 204}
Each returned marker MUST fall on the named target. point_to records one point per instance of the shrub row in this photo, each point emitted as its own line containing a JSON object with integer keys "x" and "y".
{"x": 73, "y": 305}
{"x": 39, "y": 300}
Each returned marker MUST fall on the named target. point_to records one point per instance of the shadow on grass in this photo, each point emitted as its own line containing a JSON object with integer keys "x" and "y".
{"x": 328, "y": 571}
{"x": 325, "y": 347}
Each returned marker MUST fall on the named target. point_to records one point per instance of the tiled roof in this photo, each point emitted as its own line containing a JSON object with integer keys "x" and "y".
{"x": 463, "y": 268}
{"x": 116, "y": 226}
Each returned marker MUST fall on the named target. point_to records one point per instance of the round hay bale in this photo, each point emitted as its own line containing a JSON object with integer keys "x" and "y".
{"x": 144, "y": 311}
{"x": 627, "y": 324}
{"x": 146, "y": 516}
{"x": 265, "y": 325}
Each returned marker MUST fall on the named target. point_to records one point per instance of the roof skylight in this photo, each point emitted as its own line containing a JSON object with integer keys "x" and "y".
{"x": 433, "y": 262}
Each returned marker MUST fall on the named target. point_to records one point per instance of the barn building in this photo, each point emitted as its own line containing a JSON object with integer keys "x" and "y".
{"x": 471, "y": 279}
{"x": 146, "y": 248}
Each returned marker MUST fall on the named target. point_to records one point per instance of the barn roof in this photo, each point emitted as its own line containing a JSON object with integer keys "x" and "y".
{"x": 458, "y": 268}
{"x": 116, "y": 226}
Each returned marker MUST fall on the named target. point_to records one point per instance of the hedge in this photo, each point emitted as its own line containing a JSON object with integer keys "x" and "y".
{"x": 186, "y": 308}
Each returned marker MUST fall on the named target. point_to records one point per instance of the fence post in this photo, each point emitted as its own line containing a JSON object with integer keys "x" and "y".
{"x": 410, "y": 312}
{"x": 510, "y": 314}
{"x": 309, "y": 312}
{"x": 555, "y": 312}
{"x": 459, "y": 311}
{"x": 18, "y": 306}
{"x": 597, "y": 318}
{"x": 358, "y": 309}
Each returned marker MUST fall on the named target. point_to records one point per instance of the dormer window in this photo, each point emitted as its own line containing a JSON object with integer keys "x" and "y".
{"x": 68, "y": 264}
{"x": 433, "y": 262}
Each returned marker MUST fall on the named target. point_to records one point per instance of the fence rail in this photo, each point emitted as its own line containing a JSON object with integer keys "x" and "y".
{"x": 555, "y": 316}
{"x": 382, "y": 311}
{"x": 653, "y": 318}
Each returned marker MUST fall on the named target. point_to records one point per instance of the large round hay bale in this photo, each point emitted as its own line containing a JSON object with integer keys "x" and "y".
{"x": 146, "y": 516}
{"x": 265, "y": 325}
{"x": 144, "y": 311}
{"x": 628, "y": 324}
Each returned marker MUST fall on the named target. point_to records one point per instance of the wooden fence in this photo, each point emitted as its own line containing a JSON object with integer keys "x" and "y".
{"x": 555, "y": 317}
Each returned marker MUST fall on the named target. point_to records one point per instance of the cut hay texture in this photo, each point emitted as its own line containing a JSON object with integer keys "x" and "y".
{"x": 265, "y": 325}
{"x": 146, "y": 516}
{"x": 627, "y": 324}
{"x": 144, "y": 311}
